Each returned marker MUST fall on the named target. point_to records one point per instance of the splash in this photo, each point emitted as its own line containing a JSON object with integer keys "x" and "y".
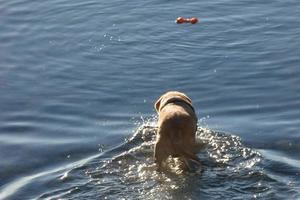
{"x": 128, "y": 171}
{"x": 132, "y": 167}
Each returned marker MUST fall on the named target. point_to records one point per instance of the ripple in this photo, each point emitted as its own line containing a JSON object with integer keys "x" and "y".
{"x": 128, "y": 171}
{"x": 133, "y": 166}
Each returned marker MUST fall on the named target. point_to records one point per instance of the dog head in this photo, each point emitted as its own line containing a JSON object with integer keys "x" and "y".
{"x": 170, "y": 97}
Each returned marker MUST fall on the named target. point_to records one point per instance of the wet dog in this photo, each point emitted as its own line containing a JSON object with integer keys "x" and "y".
{"x": 177, "y": 126}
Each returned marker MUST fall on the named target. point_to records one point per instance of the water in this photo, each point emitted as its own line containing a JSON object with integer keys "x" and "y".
{"x": 78, "y": 81}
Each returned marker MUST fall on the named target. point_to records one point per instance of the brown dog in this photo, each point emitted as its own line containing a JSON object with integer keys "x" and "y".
{"x": 177, "y": 126}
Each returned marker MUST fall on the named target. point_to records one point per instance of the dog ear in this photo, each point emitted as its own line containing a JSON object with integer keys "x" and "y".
{"x": 185, "y": 98}
{"x": 157, "y": 104}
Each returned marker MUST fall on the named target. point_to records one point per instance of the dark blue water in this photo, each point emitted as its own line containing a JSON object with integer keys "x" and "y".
{"x": 78, "y": 80}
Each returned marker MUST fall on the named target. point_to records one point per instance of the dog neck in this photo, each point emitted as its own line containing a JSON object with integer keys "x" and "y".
{"x": 176, "y": 100}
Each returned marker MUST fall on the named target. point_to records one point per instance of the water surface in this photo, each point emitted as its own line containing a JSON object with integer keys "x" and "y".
{"x": 78, "y": 81}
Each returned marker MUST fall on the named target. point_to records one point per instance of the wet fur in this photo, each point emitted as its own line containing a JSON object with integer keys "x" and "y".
{"x": 177, "y": 126}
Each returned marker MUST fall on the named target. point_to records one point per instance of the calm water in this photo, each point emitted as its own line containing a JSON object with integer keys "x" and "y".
{"x": 78, "y": 80}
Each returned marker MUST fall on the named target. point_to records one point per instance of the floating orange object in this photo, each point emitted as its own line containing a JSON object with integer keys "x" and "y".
{"x": 194, "y": 20}
{"x": 181, "y": 20}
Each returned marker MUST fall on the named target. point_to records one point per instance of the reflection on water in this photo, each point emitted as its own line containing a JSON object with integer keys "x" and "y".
{"x": 76, "y": 75}
{"x": 128, "y": 171}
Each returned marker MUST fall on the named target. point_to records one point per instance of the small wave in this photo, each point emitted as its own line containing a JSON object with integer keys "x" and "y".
{"x": 128, "y": 172}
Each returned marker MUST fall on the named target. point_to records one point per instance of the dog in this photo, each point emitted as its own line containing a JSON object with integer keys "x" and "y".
{"x": 177, "y": 126}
